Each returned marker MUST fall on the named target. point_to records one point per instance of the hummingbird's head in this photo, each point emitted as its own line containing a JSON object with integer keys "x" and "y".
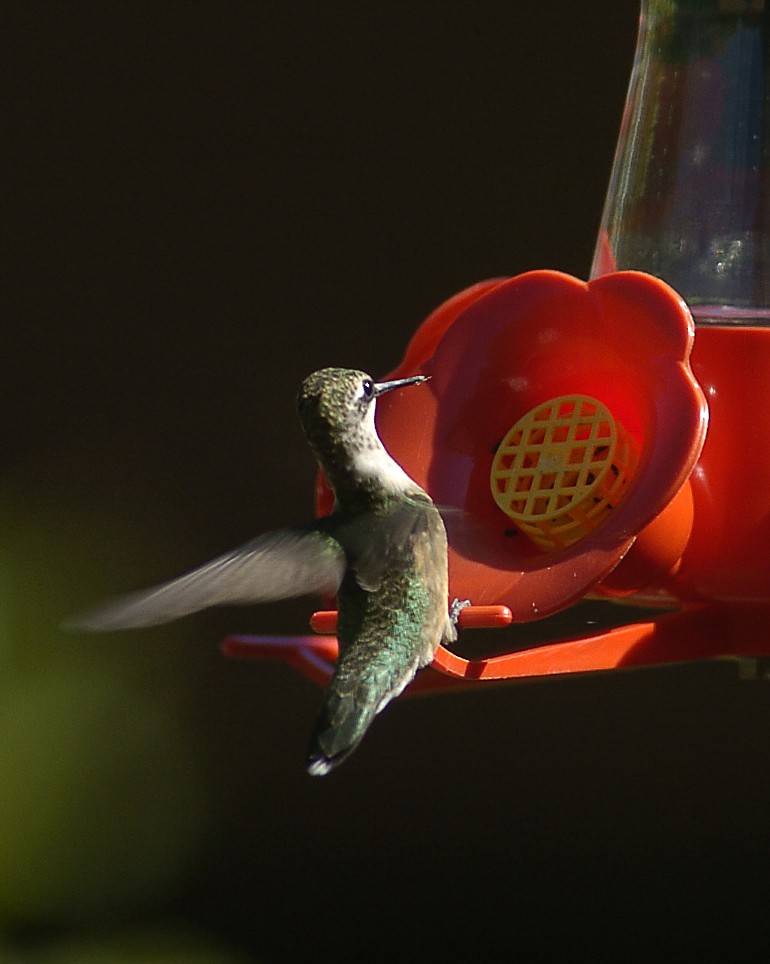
{"x": 336, "y": 408}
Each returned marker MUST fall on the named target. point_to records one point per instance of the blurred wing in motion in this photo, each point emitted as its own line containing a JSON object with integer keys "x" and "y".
{"x": 278, "y": 565}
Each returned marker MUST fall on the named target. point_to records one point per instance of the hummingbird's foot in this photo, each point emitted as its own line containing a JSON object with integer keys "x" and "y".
{"x": 454, "y": 609}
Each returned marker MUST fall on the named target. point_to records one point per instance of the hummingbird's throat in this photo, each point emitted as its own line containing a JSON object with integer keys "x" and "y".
{"x": 365, "y": 470}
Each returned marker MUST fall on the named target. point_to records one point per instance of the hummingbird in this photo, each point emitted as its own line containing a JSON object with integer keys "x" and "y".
{"x": 382, "y": 551}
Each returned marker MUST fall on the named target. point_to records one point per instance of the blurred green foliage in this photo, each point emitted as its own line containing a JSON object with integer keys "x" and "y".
{"x": 102, "y": 796}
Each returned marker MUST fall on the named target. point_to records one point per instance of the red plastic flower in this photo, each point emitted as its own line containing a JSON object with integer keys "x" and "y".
{"x": 501, "y": 349}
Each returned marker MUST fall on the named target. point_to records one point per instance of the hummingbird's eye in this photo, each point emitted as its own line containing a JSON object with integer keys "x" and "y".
{"x": 368, "y": 388}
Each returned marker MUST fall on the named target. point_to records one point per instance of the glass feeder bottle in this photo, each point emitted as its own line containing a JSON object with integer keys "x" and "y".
{"x": 689, "y": 193}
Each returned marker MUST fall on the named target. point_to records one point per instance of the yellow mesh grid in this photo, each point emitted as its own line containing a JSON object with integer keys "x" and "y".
{"x": 561, "y": 469}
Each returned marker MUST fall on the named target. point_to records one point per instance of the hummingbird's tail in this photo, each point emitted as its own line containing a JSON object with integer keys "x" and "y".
{"x": 355, "y": 696}
{"x": 333, "y": 740}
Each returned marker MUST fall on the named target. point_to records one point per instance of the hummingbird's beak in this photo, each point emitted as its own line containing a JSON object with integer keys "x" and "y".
{"x": 380, "y": 388}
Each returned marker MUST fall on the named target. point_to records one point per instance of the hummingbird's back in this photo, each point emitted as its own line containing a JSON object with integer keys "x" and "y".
{"x": 392, "y": 617}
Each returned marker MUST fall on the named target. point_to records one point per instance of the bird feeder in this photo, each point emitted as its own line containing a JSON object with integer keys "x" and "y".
{"x": 564, "y": 428}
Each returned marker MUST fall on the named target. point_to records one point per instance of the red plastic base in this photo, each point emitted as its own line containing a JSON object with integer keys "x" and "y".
{"x": 694, "y": 634}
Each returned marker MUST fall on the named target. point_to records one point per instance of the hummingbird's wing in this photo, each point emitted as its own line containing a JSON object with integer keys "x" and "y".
{"x": 374, "y": 544}
{"x": 278, "y": 565}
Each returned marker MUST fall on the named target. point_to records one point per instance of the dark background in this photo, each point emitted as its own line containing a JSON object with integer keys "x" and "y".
{"x": 202, "y": 203}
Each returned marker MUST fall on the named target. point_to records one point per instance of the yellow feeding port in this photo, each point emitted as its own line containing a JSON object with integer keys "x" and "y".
{"x": 561, "y": 470}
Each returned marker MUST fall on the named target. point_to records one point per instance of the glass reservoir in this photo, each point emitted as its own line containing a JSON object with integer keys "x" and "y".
{"x": 689, "y": 194}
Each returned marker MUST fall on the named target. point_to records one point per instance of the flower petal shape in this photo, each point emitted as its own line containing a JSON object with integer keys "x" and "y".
{"x": 500, "y": 349}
